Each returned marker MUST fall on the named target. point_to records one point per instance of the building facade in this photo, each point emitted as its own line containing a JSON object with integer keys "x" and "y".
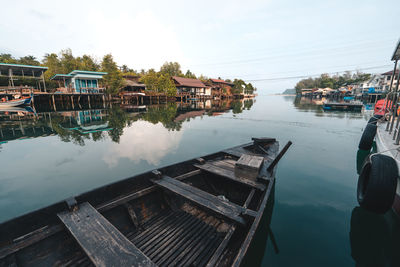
{"x": 194, "y": 87}
{"x": 79, "y": 81}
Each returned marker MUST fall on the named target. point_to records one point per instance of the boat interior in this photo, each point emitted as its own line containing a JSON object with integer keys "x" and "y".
{"x": 200, "y": 212}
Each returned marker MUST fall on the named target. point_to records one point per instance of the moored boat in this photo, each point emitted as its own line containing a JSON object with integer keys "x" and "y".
{"x": 16, "y": 102}
{"x": 347, "y": 106}
{"x": 378, "y": 186}
{"x": 204, "y": 211}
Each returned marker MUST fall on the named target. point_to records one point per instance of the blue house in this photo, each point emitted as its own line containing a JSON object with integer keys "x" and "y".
{"x": 79, "y": 81}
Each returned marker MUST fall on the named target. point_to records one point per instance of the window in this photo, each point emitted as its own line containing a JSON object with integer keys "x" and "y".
{"x": 388, "y": 78}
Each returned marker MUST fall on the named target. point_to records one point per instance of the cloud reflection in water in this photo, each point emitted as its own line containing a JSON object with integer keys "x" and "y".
{"x": 143, "y": 141}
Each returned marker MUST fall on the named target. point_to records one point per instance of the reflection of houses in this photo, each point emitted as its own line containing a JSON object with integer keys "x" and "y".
{"x": 221, "y": 87}
{"x": 190, "y": 114}
{"x": 22, "y": 123}
{"x": 194, "y": 87}
{"x": 79, "y": 81}
{"x": 87, "y": 121}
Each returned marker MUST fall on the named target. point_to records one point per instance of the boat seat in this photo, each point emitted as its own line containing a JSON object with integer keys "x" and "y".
{"x": 100, "y": 240}
{"x": 224, "y": 208}
{"x": 226, "y": 168}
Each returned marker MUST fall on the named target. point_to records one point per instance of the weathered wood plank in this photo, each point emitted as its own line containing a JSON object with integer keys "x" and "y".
{"x": 249, "y": 162}
{"x": 265, "y": 140}
{"x": 101, "y": 241}
{"x": 213, "y": 167}
{"x": 221, "y": 247}
{"x": 202, "y": 198}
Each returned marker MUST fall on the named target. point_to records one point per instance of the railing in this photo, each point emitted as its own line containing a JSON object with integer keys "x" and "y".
{"x": 392, "y": 104}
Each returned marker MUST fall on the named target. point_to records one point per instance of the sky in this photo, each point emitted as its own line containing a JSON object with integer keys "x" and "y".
{"x": 270, "y": 43}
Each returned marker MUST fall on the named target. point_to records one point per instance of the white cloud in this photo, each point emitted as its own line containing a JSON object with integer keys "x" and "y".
{"x": 143, "y": 141}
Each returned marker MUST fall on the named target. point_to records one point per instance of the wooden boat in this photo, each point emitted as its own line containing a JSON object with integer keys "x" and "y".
{"x": 343, "y": 106}
{"x": 199, "y": 212}
{"x": 16, "y": 102}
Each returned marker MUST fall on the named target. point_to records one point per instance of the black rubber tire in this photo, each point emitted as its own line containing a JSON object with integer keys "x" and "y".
{"x": 367, "y": 137}
{"x": 377, "y": 183}
{"x": 374, "y": 119}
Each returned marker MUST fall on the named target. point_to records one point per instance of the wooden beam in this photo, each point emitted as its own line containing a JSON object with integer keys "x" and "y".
{"x": 101, "y": 241}
{"x": 230, "y": 174}
{"x": 224, "y": 208}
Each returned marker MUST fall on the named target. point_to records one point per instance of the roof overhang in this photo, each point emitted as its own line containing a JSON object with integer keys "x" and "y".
{"x": 75, "y": 72}
{"x": 396, "y": 53}
{"x": 59, "y": 77}
{"x": 22, "y": 70}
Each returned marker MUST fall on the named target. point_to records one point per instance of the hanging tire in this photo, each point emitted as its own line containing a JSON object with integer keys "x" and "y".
{"x": 377, "y": 183}
{"x": 374, "y": 119}
{"x": 367, "y": 137}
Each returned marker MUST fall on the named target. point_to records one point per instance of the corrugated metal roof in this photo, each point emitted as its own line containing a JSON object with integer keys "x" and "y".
{"x": 19, "y": 69}
{"x": 60, "y": 76}
{"x": 188, "y": 82}
{"x": 87, "y": 72}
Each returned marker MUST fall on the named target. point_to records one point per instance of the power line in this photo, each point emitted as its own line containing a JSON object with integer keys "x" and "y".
{"x": 313, "y": 75}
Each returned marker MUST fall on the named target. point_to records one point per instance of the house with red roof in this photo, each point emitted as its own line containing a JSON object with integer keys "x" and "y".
{"x": 220, "y": 87}
{"x": 194, "y": 87}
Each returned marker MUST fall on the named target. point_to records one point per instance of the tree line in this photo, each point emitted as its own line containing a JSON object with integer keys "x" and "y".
{"x": 334, "y": 82}
{"x": 155, "y": 81}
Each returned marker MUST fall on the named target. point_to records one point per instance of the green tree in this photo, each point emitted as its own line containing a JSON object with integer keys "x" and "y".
{"x": 171, "y": 68}
{"x": 238, "y": 86}
{"x": 7, "y": 58}
{"x": 113, "y": 81}
{"x": 166, "y": 85}
{"x": 29, "y": 60}
{"x": 87, "y": 62}
{"x": 189, "y": 74}
{"x": 68, "y": 61}
{"x": 150, "y": 79}
{"x": 53, "y": 63}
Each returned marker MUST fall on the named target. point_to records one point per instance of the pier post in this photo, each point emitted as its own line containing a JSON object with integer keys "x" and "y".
{"x": 72, "y": 102}
{"x": 54, "y": 102}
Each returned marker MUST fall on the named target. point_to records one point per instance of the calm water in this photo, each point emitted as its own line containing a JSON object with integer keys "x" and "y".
{"x": 72, "y": 152}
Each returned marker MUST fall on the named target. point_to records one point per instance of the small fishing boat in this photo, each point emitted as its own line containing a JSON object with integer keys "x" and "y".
{"x": 335, "y": 106}
{"x": 200, "y": 212}
{"x": 16, "y": 102}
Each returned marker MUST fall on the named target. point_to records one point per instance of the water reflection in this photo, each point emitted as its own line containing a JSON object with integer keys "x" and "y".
{"x": 374, "y": 238}
{"x": 78, "y": 126}
{"x": 307, "y": 104}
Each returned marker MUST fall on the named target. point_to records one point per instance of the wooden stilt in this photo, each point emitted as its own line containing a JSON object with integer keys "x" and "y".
{"x": 54, "y": 102}
{"x": 72, "y": 102}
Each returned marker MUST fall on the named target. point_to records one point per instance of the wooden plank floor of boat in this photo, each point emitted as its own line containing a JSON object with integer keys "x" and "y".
{"x": 101, "y": 241}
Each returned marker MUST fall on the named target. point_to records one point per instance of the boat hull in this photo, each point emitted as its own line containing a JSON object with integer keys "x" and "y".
{"x": 187, "y": 219}
{"x": 385, "y": 145}
{"x": 16, "y": 103}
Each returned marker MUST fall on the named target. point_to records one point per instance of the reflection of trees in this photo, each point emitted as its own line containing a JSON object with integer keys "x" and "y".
{"x": 248, "y": 103}
{"x": 117, "y": 120}
{"x": 165, "y": 114}
{"x": 98, "y": 124}
{"x": 236, "y": 107}
{"x": 65, "y": 134}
